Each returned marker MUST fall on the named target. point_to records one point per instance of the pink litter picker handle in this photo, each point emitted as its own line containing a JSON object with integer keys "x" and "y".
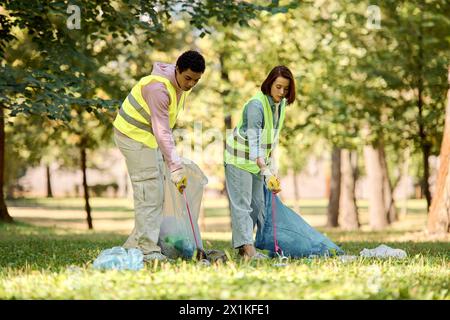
{"x": 275, "y": 241}
{"x": 201, "y": 251}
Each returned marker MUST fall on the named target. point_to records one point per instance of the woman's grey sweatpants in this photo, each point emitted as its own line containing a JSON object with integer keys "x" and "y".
{"x": 246, "y": 194}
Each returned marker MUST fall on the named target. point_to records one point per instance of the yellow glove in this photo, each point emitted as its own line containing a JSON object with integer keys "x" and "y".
{"x": 178, "y": 177}
{"x": 272, "y": 182}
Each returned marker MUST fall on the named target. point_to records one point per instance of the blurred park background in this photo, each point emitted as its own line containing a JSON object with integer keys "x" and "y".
{"x": 367, "y": 126}
{"x": 364, "y": 155}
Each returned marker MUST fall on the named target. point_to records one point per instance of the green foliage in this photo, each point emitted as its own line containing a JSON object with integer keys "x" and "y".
{"x": 49, "y": 89}
{"x": 355, "y": 85}
{"x": 40, "y": 263}
{"x": 70, "y": 76}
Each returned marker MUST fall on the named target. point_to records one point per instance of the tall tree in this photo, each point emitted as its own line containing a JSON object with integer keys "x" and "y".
{"x": 335, "y": 189}
{"x": 4, "y": 214}
{"x": 348, "y": 209}
{"x": 412, "y": 43}
{"x": 49, "y": 181}
{"x": 388, "y": 192}
{"x": 378, "y": 218}
{"x": 50, "y": 90}
{"x": 439, "y": 215}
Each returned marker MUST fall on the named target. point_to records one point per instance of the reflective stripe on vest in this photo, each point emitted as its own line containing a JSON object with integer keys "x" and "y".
{"x": 238, "y": 153}
{"x": 134, "y": 122}
{"x": 139, "y": 108}
{"x": 141, "y": 111}
{"x": 245, "y": 142}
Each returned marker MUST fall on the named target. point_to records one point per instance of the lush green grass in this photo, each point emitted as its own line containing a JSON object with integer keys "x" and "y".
{"x": 46, "y": 263}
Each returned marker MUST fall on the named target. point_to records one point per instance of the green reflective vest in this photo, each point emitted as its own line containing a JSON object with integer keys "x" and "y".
{"x": 237, "y": 151}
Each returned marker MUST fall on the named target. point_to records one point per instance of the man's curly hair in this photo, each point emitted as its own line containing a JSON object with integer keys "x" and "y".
{"x": 191, "y": 59}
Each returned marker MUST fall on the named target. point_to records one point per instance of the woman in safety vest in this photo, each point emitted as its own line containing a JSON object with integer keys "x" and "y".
{"x": 249, "y": 159}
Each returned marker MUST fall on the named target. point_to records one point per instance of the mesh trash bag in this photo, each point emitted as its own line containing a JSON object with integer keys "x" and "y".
{"x": 176, "y": 238}
{"x": 294, "y": 235}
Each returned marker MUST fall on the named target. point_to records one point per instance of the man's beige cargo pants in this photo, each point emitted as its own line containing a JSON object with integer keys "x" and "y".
{"x": 146, "y": 170}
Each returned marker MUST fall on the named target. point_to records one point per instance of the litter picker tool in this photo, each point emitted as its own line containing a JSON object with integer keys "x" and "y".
{"x": 201, "y": 254}
{"x": 278, "y": 251}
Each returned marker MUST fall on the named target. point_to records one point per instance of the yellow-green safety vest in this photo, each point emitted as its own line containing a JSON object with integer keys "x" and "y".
{"x": 237, "y": 151}
{"x": 134, "y": 116}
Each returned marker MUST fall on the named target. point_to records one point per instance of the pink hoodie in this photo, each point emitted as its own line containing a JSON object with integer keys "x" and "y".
{"x": 157, "y": 98}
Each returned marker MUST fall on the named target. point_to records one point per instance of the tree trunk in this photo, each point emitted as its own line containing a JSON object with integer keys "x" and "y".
{"x": 126, "y": 184}
{"x": 349, "y": 210}
{"x": 405, "y": 170}
{"x": 439, "y": 215}
{"x": 377, "y": 214}
{"x": 425, "y": 185}
{"x": 10, "y": 191}
{"x": 4, "y": 214}
{"x": 85, "y": 186}
{"x": 335, "y": 188}
{"x": 425, "y": 145}
{"x": 49, "y": 182}
{"x": 389, "y": 203}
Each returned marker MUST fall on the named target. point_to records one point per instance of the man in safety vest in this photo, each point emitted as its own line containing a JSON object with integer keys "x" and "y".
{"x": 143, "y": 133}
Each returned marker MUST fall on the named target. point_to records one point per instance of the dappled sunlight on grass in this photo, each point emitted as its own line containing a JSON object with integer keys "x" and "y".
{"x": 48, "y": 254}
{"x": 59, "y": 267}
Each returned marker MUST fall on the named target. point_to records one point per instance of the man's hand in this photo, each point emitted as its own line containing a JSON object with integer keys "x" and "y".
{"x": 272, "y": 182}
{"x": 178, "y": 177}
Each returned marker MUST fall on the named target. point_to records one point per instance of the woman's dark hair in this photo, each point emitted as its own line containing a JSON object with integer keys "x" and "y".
{"x": 280, "y": 71}
{"x": 191, "y": 60}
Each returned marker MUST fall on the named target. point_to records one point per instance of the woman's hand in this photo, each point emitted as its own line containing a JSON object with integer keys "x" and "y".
{"x": 272, "y": 181}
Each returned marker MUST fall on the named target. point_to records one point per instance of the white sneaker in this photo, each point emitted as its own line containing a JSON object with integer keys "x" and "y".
{"x": 259, "y": 256}
{"x": 155, "y": 256}
{"x": 256, "y": 256}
